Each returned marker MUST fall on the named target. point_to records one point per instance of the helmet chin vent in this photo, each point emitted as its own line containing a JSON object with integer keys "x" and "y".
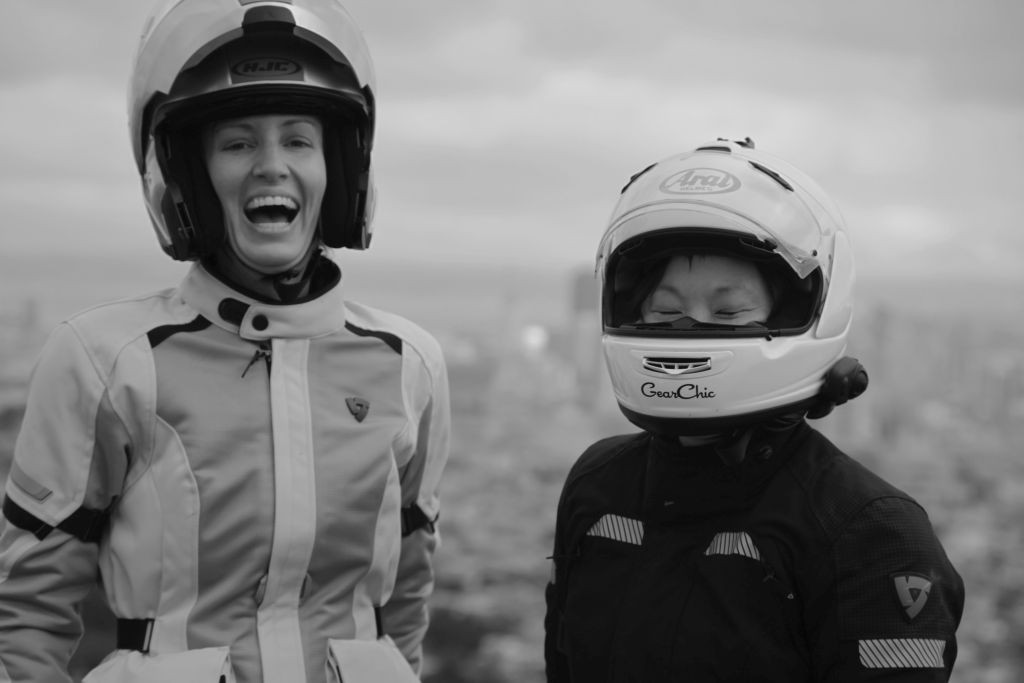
{"x": 675, "y": 367}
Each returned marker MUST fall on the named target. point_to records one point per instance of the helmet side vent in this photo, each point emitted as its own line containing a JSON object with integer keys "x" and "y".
{"x": 632, "y": 178}
{"x": 714, "y": 148}
{"x": 773, "y": 175}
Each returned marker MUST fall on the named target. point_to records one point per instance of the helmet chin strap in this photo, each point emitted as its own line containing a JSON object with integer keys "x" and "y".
{"x": 731, "y": 447}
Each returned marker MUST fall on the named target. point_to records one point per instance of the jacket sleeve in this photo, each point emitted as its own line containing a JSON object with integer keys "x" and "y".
{"x": 888, "y": 607}
{"x": 570, "y": 522}
{"x": 405, "y": 615}
{"x": 556, "y": 664}
{"x": 60, "y": 484}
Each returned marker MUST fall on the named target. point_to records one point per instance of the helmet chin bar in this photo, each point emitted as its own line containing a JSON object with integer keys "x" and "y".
{"x": 845, "y": 380}
{"x": 678, "y": 426}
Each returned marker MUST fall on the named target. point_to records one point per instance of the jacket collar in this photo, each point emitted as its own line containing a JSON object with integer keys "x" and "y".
{"x": 256, "y": 320}
{"x": 693, "y": 482}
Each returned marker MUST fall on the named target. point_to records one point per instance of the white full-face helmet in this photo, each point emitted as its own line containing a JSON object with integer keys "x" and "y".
{"x": 205, "y": 60}
{"x": 687, "y": 377}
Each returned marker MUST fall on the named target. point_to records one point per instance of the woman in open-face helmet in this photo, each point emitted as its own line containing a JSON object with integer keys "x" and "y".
{"x": 729, "y": 540}
{"x": 248, "y": 461}
{"x": 203, "y": 63}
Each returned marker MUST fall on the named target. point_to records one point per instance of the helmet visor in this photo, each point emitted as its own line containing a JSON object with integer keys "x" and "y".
{"x": 705, "y": 283}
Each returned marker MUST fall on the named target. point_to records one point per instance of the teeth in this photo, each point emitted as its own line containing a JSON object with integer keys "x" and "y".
{"x": 259, "y": 202}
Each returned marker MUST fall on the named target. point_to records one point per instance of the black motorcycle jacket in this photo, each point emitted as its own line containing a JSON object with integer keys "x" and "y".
{"x": 795, "y": 565}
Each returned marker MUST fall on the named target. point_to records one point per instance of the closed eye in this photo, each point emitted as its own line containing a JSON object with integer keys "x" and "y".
{"x": 665, "y": 314}
{"x": 236, "y": 146}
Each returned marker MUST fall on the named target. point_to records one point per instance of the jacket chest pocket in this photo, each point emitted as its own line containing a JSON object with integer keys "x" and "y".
{"x": 597, "y": 591}
{"x": 367, "y": 661}
{"x": 206, "y": 665}
{"x": 741, "y": 620}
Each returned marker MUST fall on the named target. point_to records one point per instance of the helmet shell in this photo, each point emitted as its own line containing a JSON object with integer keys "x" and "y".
{"x": 203, "y": 60}
{"x": 725, "y": 197}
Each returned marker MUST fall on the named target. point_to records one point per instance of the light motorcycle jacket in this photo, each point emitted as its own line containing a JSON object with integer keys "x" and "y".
{"x": 254, "y": 484}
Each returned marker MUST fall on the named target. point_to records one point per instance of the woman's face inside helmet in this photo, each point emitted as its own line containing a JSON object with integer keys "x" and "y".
{"x": 709, "y": 288}
{"x": 269, "y": 173}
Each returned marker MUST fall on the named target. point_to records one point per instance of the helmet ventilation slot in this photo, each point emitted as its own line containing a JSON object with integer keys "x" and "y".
{"x": 675, "y": 367}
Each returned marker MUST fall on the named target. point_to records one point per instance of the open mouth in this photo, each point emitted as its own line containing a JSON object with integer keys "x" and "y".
{"x": 271, "y": 211}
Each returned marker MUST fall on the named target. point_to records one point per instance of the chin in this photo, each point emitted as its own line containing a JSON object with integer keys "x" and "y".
{"x": 273, "y": 258}
{"x": 271, "y": 261}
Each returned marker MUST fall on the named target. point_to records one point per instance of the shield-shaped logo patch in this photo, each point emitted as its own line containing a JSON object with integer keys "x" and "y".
{"x": 359, "y": 407}
{"x": 912, "y": 591}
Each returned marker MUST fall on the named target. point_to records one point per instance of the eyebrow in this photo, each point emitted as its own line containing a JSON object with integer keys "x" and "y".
{"x": 724, "y": 289}
{"x": 303, "y": 119}
{"x": 222, "y": 125}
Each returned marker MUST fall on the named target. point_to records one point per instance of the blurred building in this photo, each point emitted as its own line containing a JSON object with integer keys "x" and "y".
{"x": 592, "y": 386}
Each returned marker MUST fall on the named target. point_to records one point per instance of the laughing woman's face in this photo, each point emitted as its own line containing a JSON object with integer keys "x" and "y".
{"x": 269, "y": 173}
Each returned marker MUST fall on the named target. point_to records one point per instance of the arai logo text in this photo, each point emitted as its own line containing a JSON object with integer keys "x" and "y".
{"x": 700, "y": 181}
{"x": 684, "y": 392}
{"x": 266, "y": 66}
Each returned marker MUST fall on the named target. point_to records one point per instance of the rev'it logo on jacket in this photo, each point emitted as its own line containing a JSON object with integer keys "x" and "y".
{"x": 912, "y": 591}
{"x": 359, "y": 407}
{"x": 700, "y": 181}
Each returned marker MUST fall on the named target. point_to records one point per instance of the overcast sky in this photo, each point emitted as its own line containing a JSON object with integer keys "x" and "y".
{"x": 507, "y": 127}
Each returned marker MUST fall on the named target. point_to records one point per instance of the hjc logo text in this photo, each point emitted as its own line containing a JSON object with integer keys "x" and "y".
{"x": 265, "y": 67}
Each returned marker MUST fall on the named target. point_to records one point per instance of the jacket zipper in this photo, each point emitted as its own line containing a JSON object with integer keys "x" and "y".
{"x": 262, "y": 351}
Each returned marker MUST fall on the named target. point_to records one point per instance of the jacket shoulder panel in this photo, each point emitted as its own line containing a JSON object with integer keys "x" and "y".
{"x": 597, "y": 471}
{"x": 602, "y": 453}
{"x": 106, "y": 329}
{"x": 92, "y": 374}
{"x": 411, "y": 335}
{"x": 837, "y": 487}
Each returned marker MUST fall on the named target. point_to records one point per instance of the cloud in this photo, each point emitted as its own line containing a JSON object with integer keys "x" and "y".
{"x": 80, "y": 40}
{"x": 507, "y": 128}
{"x": 68, "y": 180}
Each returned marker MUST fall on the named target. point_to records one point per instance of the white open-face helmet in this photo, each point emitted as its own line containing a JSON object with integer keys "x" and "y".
{"x": 204, "y": 60}
{"x": 685, "y": 377}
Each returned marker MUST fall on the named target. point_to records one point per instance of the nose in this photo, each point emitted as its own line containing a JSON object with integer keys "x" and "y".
{"x": 270, "y": 163}
{"x": 700, "y": 312}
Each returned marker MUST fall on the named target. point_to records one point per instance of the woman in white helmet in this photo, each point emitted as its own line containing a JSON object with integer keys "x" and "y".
{"x": 247, "y": 462}
{"x": 730, "y": 541}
